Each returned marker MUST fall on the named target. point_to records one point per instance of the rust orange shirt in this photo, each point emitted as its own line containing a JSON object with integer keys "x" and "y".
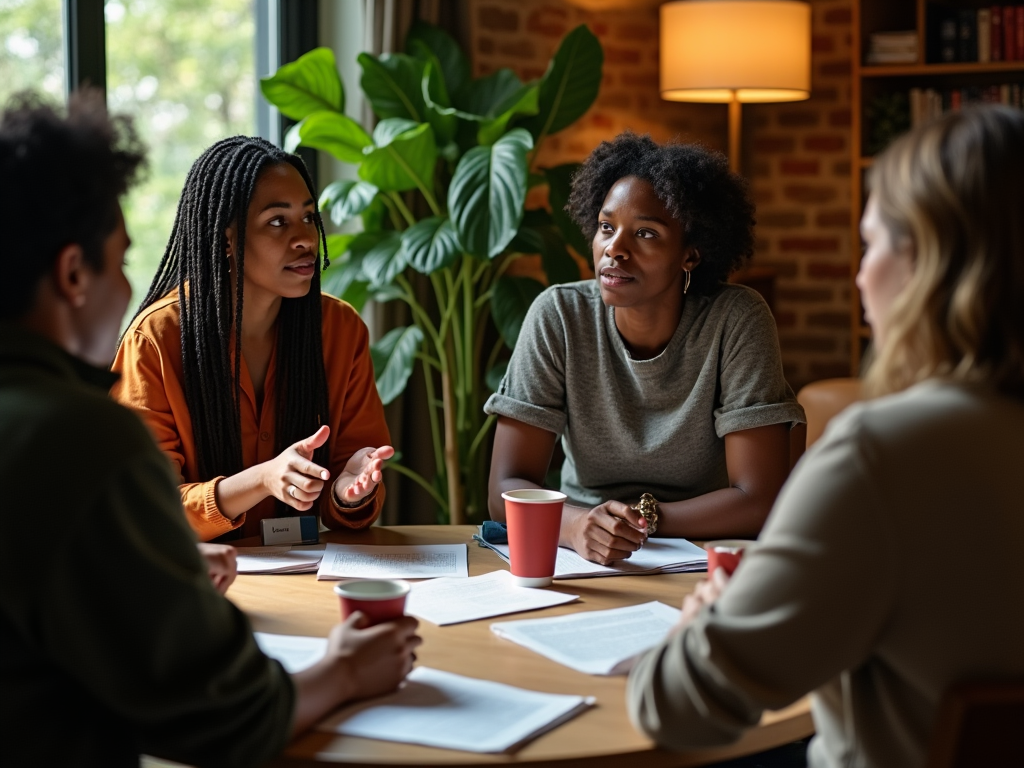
{"x": 153, "y": 385}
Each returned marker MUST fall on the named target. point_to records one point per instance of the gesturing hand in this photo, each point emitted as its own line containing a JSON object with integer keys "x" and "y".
{"x": 221, "y": 563}
{"x": 292, "y": 476}
{"x": 609, "y": 532}
{"x": 362, "y": 473}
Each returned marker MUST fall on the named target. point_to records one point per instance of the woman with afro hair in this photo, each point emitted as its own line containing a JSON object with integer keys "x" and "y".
{"x": 662, "y": 380}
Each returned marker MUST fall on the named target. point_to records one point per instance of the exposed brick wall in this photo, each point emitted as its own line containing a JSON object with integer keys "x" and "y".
{"x": 795, "y": 155}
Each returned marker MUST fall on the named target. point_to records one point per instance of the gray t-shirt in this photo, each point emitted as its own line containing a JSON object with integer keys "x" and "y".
{"x": 630, "y": 426}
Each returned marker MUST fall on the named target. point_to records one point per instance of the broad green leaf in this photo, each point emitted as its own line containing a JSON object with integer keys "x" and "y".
{"x": 403, "y": 157}
{"x": 388, "y": 293}
{"x": 559, "y": 185}
{"x": 430, "y": 244}
{"x": 510, "y": 302}
{"x": 522, "y": 102}
{"x": 393, "y": 84}
{"x": 454, "y": 64}
{"x": 570, "y": 84}
{"x": 346, "y": 265}
{"x": 384, "y": 260}
{"x": 346, "y": 199}
{"x": 436, "y": 103}
{"x": 487, "y": 192}
{"x": 485, "y": 95}
{"x": 356, "y": 294}
{"x": 537, "y": 234}
{"x": 307, "y": 85}
{"x": 393, "y": 359}
{"x": 339, "y": 135}
{"x": 494, "y": 376}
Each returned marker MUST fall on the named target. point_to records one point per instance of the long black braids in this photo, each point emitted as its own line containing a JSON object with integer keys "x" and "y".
{"x": 217, "y": 194}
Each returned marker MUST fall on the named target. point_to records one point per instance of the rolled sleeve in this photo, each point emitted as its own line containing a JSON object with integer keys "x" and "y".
{"x": 754, "y": 392}
{"x": 533, "y": 388}
{"x": 199, "y": 500}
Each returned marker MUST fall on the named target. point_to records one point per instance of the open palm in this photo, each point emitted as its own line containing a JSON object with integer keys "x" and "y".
{"x": 362, "y": 473}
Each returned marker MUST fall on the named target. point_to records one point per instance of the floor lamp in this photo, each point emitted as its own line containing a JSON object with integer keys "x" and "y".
{"x": 735, "y": 51}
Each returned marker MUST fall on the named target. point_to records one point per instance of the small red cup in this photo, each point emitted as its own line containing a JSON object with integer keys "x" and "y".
{"x": 379, "y": 600}
{"x": 534, "y": 517}
{"x": 725, "y": 554}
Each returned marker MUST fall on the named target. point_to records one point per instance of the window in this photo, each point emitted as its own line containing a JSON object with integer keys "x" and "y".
{"x": 31, "y": 47}
{"x": 185, "y": 69}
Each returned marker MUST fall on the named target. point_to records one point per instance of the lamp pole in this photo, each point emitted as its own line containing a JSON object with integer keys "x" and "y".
{"x": 735, "y": 125}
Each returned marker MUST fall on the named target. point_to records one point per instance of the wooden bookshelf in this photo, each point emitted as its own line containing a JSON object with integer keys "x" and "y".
{"x": 868, "y": 81}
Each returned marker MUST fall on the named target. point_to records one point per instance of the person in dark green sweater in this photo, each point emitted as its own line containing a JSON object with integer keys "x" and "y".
{"x": 113, "y": 638}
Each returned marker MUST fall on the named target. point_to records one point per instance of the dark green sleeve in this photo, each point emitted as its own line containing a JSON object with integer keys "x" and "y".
{"x": 129, "y": 611}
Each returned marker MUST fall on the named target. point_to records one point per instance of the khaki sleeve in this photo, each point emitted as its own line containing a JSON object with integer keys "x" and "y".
{"x": 801, "y": 608}
{"x": 357, "y": 422}
{"x": 132, "y": 616}
{"x": 142, "y": 388}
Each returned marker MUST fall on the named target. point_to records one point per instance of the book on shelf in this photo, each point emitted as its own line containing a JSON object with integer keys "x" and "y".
{"x": 966, "y": 35}
{"x": 996, "y": 32}
{"x": 929, "y": 103}
{"x": 892, "y": 48}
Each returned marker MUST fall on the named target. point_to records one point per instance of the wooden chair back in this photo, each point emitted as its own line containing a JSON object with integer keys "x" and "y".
{"x": 980, "y": 725}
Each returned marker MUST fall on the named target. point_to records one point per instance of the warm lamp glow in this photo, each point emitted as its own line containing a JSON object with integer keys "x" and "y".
{"x": 747, "y": 50}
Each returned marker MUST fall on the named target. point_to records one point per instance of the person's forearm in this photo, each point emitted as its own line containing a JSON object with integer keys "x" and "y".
{"x": 241, "y": 492}
{"x": 318, "y": 690}
{"x": 496, "y": 504}
{"x": 729, "y": 512}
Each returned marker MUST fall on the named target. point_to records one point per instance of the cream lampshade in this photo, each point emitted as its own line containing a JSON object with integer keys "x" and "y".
{"x": 735, "y": 51}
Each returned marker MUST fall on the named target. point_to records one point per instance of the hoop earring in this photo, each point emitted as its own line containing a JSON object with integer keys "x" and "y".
{"x": 686, "y": 285}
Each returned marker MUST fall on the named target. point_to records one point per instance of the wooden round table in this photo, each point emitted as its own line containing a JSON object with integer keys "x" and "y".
{"x": 602, "y": 737}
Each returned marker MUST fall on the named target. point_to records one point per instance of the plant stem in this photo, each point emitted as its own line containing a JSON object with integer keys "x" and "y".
{"x": 478, "y": 440}
{"x": 435, "y": 427}
{"x": 422, "y": 483}
{"x": 422, "y": 318}
{"x": 400, "y": 204}
{"x": 456, "y": 507}
{"x": 396, "y": 220}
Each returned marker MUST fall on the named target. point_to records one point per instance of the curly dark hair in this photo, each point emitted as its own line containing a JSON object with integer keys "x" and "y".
{"x": 695, "y": 183}
{"x": 79, "y": 164}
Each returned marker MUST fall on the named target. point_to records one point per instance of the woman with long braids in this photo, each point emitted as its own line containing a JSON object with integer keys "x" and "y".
{"x": 256, "y": 385}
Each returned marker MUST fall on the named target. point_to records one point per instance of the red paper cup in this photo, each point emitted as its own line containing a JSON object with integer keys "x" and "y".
{"x": 379, "y": 600}
{"x": 725, "y": 554}
{"x": 534, "y": 517}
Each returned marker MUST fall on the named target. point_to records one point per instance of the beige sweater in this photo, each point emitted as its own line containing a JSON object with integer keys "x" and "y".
{"x": 891, "y": 566}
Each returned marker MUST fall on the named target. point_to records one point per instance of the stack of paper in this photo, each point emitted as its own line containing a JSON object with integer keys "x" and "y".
{"x": 656, "y": 556}
{"x": 299, "y": 559}
{"x": 368, "y": 561}
{"x": 595, "y": 642}
{"x": 441, "y": 709}
{"x": 295, "y": 652}
{"x": 451, "y": 601}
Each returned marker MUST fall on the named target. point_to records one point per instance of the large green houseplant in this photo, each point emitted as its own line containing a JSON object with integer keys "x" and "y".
{"x": 441, "y": 190}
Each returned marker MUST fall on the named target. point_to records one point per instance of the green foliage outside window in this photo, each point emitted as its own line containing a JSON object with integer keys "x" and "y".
{"x": 441, "y": 191}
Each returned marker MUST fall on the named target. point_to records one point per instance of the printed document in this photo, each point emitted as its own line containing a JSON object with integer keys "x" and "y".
{"x": 595, "y": 642}
{"x": 368, "y": 561}
{"x": 656, "y": 556}
{"x": 295, "y": 652}
{"x": 451, "y": 601}
{"x": 283, "y": 559}
{"x": 441, "y": 709}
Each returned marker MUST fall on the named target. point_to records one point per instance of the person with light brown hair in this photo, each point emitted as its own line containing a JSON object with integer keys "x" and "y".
{"x": 891, "y": 566}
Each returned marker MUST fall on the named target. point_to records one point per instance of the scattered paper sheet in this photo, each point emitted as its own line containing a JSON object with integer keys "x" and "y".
{"x": 656, "y": 556}
{"x": 368, "y": 561}
{"x": 595, "y": 642}
{"x": 441, "y": 709}
{"x": 284, "y": 559}
{"x": 295, "y": 652}
{"x": 451, "y": 601}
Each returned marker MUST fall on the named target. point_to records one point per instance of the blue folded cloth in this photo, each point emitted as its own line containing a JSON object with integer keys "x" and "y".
{"x": 494, "y": 533}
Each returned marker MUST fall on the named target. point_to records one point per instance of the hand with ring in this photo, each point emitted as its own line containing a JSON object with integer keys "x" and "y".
{"x": 293, "y": 477}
